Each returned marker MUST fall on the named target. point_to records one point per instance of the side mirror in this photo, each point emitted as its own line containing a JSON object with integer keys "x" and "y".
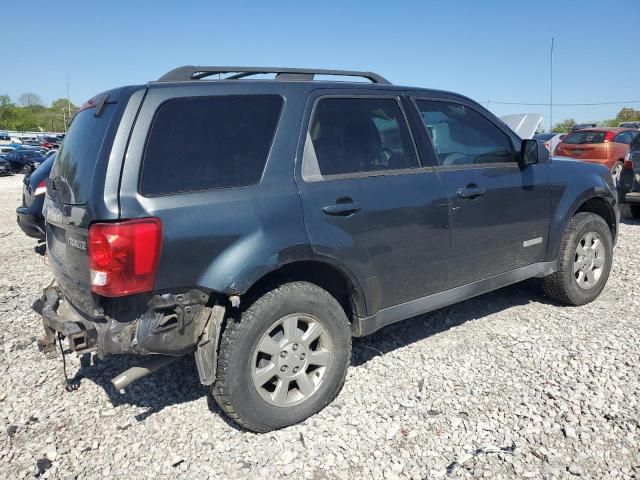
{"x": 528, "y": 153}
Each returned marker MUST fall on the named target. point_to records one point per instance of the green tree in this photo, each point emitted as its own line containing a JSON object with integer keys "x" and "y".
{"x": 628, "y": 115}
{"x": 563, "y": 126}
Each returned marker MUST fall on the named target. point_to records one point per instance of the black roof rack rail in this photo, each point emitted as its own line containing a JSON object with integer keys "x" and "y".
{"x": 191, "y": 72}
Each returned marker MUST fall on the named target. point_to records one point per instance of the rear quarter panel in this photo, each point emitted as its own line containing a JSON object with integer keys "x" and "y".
{"x": 222, "y": 239}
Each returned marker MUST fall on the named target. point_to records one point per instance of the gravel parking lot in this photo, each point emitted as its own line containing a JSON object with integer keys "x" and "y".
{"x": 507, "y": 385}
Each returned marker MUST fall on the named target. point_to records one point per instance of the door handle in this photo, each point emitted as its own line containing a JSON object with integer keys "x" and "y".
{"x": 342, "y": 209}
{"x": 471, "y": 191}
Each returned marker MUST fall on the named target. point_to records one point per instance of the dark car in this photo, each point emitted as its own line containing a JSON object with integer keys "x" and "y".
{"x": 30, "y": 218}
{"x": 260, "y": 224}
{"x": 24, "y": 161}
{"x": 629, "y": 182}
{"x": 5, "y": 168}
{"x": 582, "y": 126}
{"x": 50, "y": 142}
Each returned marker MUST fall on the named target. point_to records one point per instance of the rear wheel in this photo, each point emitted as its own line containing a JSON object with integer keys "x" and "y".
{"x": 285, "y": 358}
{"x": 584, "y": 261}
{"x": 629, "y": 211}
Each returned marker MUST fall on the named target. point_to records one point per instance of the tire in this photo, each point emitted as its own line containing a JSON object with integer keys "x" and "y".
{"x": 568, "y": 287}
{"x": 241, "y": 357}
{"x": 629, "y": 211}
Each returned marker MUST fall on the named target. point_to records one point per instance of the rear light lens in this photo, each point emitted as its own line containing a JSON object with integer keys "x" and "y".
{"x": 123, "y": 256}
{"x": 547, "y": 145}
{"x": 609, "y": 136}
{"x": 41, "y": 189}
{"x": 628, "y": 165}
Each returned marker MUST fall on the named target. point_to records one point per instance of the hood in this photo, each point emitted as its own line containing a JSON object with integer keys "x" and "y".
{"x": 524, "y": 124}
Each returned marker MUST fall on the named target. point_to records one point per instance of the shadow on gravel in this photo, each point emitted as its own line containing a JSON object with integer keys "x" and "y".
{"x": 178, "y": 382}
{"x": 174, "y": 384}
{"x": 418, "y": 328}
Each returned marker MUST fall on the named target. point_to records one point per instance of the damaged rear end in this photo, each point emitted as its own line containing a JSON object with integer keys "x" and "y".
{"x": 105, "y": 265}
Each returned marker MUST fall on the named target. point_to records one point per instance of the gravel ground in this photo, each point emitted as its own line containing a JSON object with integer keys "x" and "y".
{"x": 507, "y": 385}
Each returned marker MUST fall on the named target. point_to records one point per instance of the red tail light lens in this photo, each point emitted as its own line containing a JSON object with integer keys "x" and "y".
{"x": 628, "y": 165}
{"x": 41, "y": 189}
{"x": 609, "y": 136}
{"x": 123, "y": 256}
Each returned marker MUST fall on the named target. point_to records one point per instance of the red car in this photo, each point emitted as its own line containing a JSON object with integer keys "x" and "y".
{"x": 607, "y": 146}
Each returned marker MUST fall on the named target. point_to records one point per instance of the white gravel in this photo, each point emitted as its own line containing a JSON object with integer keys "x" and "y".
{"x": 507, "y": 385}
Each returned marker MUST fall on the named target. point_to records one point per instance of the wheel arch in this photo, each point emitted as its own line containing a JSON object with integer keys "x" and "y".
{"x": 336, "y": 280}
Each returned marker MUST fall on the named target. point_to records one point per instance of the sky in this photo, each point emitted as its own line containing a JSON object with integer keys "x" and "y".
{"x": 492, "y": 51}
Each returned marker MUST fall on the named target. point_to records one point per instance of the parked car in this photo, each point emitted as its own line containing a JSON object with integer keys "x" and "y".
{"x": 629, "y": 182}
{"x": 24, "y": 161}
{"x": 634, "y": 125}
{"x": 606, "y": 146}
{"x": 261, "y": 225}
{"x": 582, "y": 126}
{"x": 549, "y": 140}
{"x": 30, "y": 218}
{"x": 5, "y": 168}
{"x": 50, "y": 142}
{"x": 5, "y": 139}
{"x": 4, "y": 150}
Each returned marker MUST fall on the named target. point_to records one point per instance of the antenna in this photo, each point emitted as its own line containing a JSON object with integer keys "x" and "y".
{"x": 68, "y": 100}
{"x": 551, "y": 90}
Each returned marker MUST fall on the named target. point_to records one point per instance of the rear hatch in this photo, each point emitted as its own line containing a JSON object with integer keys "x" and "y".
{"x": 584, "y": 145}
{"x": 75, "y": 193}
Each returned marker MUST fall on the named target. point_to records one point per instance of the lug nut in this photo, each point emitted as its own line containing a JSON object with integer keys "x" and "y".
{"x": 283, "y": 368}
{"x": 295, "y": 346}
{"x": 295, "y": 370}
{"x": 283, "y": 354}
{"x": 302, "y": 356}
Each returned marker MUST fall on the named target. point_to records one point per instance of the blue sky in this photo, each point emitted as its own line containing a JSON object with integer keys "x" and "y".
{"x": 496, "y": 50}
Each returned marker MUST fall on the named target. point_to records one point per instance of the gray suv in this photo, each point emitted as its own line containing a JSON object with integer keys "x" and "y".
{"x": 260, "y": 224}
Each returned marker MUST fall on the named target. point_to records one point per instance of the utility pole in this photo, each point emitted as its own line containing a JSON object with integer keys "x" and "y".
{"x": 551, "y": 90}
{"x": 68, "y": 100}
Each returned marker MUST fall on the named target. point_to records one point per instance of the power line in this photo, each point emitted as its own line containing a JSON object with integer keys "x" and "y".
{"x": 560, "y": 104}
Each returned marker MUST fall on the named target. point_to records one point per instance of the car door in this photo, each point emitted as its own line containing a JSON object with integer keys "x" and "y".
{"x": 499, "y": 212}
{"x": 368, "y": 202}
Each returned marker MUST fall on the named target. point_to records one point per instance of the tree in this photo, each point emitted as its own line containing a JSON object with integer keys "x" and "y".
{"x": 563, "y": 126}
{"x": 628, "y": 115}
{"x": 62, "y": 103}
{"x": 30, "y": 100}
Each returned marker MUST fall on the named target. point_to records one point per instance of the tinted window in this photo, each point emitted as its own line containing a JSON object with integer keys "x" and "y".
{"x": 624, "y": 137}
{"x": 461, "y": 136}
{"x": 200, "y": 143}
{"x": 352, "y": 135}
{"x": 584, "y": 136}
{"x": 78, "y": 155}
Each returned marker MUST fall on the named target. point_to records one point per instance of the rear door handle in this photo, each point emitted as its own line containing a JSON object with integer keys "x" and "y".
{"x": 342, "y": 209}
{"x": 471, "y": 191}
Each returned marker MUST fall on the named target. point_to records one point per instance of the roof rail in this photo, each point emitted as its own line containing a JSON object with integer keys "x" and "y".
{"x": 191, "y": 72}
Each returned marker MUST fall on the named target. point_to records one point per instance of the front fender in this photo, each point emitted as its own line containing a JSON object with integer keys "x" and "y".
{"x": 573, "y": 183}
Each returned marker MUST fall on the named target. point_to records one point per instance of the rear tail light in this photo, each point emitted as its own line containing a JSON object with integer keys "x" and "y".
{"x": 123, "y": 256}
{"x": 628, "y": 165}
{"x": 547, "y": 145}
{"x": 609, "y": 136}
{"x": 41, "y": 189}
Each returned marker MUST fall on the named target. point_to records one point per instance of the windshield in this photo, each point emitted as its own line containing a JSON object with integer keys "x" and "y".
{"x": 584, "y": 136}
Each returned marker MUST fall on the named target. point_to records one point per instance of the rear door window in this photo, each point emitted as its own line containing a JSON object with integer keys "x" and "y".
{"x": 357, "y": 135}
{"x": 584, "y": 136}
{"x": 202, "y": 143}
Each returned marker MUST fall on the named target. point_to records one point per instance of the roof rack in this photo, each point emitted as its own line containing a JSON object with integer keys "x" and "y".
{"x": 191, "y": 72}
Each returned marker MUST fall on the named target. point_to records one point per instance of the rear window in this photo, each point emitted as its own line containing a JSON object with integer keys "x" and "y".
{"x": 78, "y": 154}
{"x": 584, "y": 137}
{"x": 201, "y": 143}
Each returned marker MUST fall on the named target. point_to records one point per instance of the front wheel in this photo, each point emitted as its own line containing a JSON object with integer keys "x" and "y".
{"x": 285, "y": 359}
{"x": 584, "y": 261}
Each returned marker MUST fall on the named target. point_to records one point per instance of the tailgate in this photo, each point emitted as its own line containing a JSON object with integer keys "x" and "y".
{"x": 73, "y": 198}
